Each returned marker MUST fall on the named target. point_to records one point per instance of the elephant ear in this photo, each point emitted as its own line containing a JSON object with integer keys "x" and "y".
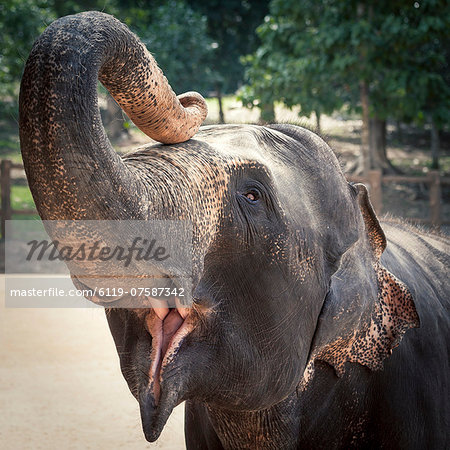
{"x": 374, "y": 232}
{"x": 367, "y": 310}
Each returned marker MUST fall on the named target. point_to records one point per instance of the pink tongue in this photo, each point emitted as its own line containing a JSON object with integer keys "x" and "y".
{"x": 161, "y": 340}
{"x": 171, "y": 324}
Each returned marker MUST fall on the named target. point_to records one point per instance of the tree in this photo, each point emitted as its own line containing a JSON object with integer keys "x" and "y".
{"x": 231, "y": 24}
{"x": 66, "y": 7}
{"x": 172, "y": 30}
{"x": 276, "y": 75}
{"x": 177, "y": 37}
{"x": 408, "y": 57}
{"x": 21, "y": 21}
{"x": 392, "y": 51}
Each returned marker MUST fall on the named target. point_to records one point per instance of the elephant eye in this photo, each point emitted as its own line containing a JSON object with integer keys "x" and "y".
{"x": 252, "y": 195}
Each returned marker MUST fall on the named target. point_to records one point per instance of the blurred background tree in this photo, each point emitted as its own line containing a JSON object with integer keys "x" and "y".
{"x": 231, "y": 25}
{"x": 198, "y": 44}
{"x": 384, "y": 60}
{"x": 21, "y": 21}
{"x": 177, "y": 37}
{"x": 316, "y": 54}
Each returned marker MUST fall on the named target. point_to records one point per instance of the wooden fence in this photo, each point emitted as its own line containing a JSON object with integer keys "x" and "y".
{"x": 374, "y": 180}
{"x": 5, "y": 186}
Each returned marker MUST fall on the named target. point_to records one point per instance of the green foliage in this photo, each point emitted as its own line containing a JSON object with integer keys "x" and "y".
{"x": 175, "y": 33}
{"x": 177, "y": 37}
{"x": 231, "y": 24}
{"x": 65, "y": 7}
{"x": 198, "y": 44}
{"x": 315, "y": 53}
{"x": 21, "y": 198}
{"x": 21, "y": 21}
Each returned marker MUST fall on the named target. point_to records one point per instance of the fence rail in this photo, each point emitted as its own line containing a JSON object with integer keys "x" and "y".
{"x": 374, "y": 179}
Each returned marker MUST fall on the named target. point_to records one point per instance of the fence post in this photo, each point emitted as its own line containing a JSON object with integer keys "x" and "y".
{"x": 435, "y": 199}
{"x": 376, "y": 193}
{"x": 5, "y": 185}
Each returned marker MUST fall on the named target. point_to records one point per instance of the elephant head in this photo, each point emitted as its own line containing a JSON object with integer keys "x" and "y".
{"x": 286, "y": 252}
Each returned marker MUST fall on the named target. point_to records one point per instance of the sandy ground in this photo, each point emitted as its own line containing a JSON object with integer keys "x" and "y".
{"x": 61, "y": 386}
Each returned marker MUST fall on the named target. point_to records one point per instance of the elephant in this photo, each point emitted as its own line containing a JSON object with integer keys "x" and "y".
{"x": 313, "y": 324}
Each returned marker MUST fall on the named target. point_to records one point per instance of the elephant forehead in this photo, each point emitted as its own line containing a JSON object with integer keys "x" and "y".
{"x": 224, "y": 149}
{"x": 197, "y": 177}
{"x": 236, "y": 143}
{"x": 298, "y": 163}
{"x": 266, "y": 144}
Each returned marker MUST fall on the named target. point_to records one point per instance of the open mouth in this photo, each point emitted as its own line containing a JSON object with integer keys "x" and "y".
{"x": 168, "y": 328}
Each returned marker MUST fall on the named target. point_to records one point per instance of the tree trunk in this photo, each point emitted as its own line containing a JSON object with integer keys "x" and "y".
{"x": 435, "y": 145}
{"x": 399, "y": 131}
{"x": 364, "y": 12}
{"x": 377, "y": 143}
{"x": 365, "y": 164}
{"x": 318, "y": 127}
{"x": 377, "y": 140}
{"x": 267, "y": 113}
{"x": 219, "y": 100}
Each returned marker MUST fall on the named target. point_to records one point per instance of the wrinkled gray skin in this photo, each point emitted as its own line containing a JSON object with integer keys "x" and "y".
{"x": 295, "y": 316}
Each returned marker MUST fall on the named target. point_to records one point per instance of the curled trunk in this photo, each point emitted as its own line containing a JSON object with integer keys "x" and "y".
{"x": 72, "y": 168}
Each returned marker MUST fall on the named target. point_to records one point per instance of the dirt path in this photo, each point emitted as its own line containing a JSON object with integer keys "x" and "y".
{"x": 61, "y": 386}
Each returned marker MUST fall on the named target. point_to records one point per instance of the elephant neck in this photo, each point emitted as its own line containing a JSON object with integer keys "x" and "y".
{"x": 277, "y": 427}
